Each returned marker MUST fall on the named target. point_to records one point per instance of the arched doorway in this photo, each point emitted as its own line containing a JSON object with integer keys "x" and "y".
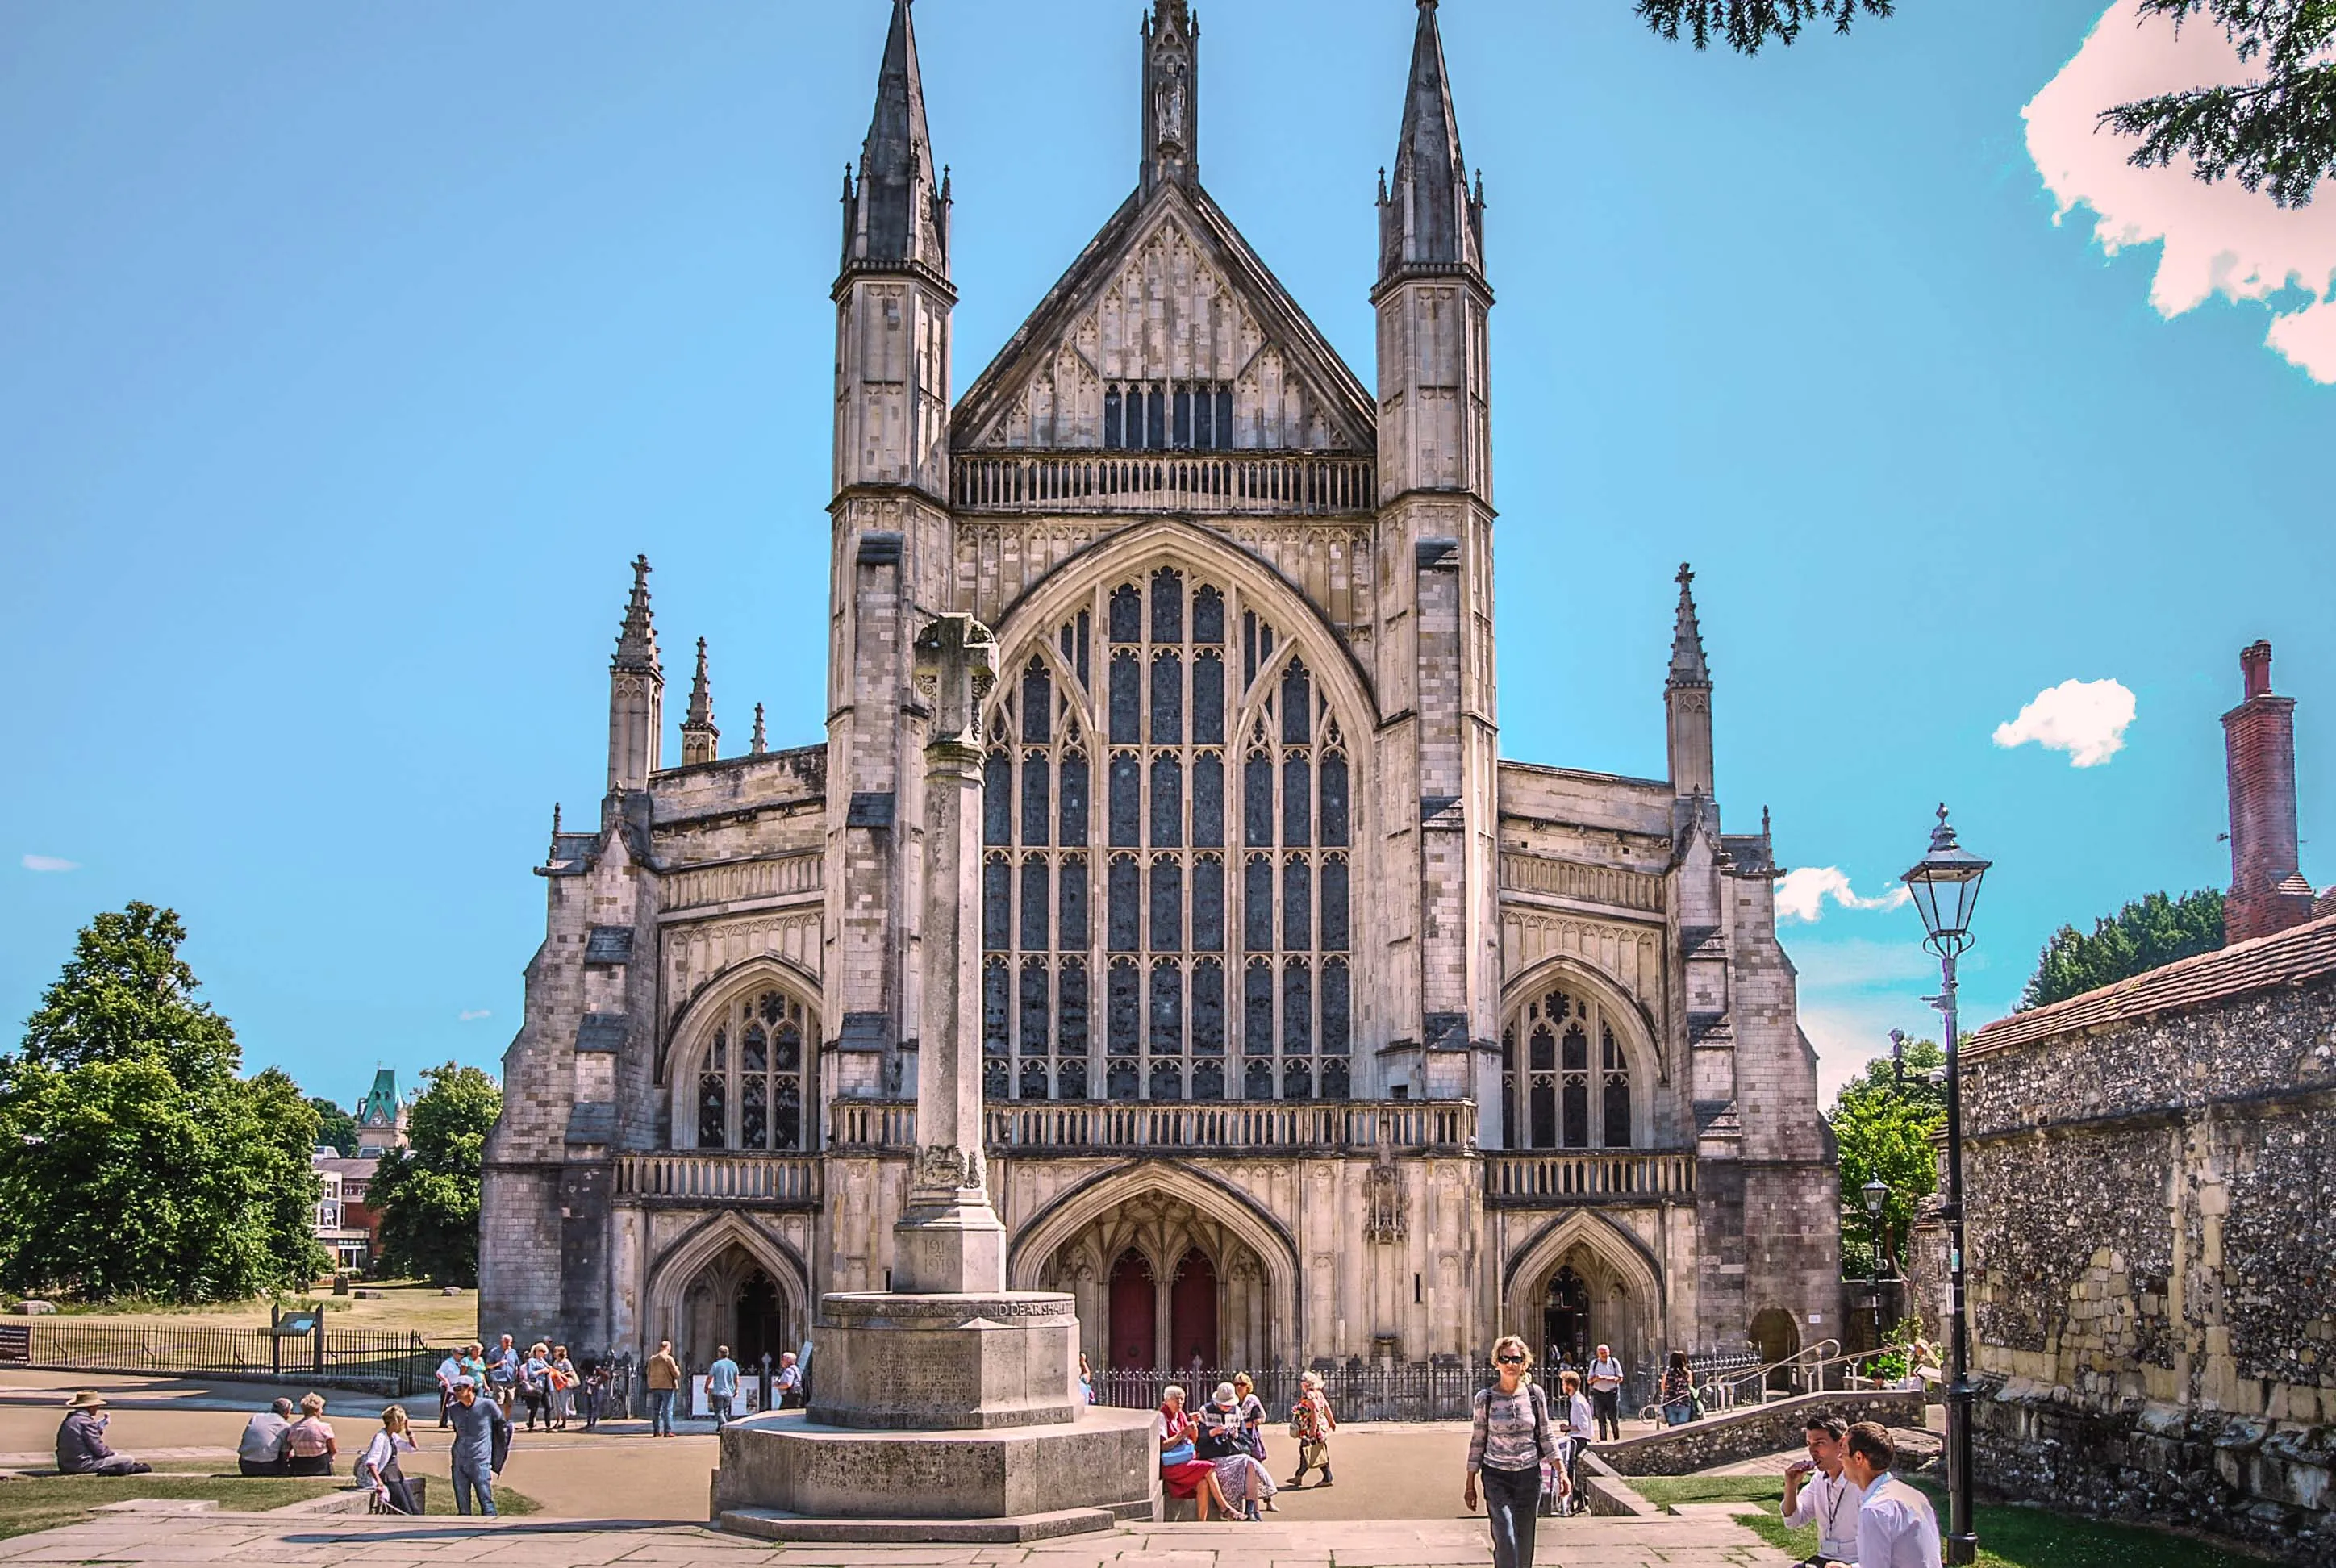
{"x": 1193, "y": 1313}
{"x": 1566, "y": 1333}
{"x": 733, "y": 1301}
{"x": 1775, "y": 1335}
{"x": 1156, "y": 1277}
{"x": 1134, "y": 1314}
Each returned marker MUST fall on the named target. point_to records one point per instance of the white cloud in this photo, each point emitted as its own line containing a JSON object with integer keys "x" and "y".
{"x": 49, "y": 864}
{"x": 2084, "y": 718}
{"x": 2219, "y": 239}
{"x": 472, "y": 1015}
{"x": 1801, "y": 893}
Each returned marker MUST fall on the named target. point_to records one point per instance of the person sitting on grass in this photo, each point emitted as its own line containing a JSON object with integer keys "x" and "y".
{"x": 377, "y": 1467}
{"x": 266, "y": 1441}
{"x": 81, "y": 1441}
{"x": 311, "y": 1439}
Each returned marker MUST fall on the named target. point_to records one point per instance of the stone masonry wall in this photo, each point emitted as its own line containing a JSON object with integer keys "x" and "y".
{"x": 2152, "y": 1238}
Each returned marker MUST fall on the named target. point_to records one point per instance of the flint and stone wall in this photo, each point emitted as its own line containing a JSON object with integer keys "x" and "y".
{"x": 2152, "y": 1247}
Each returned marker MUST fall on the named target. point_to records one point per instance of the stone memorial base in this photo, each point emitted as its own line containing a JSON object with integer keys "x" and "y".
{"x": 940, "y": 1417}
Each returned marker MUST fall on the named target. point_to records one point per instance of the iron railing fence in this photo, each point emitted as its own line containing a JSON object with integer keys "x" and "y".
{"x": 1374, "y": 1391}
{"x": 374, "y": 1360}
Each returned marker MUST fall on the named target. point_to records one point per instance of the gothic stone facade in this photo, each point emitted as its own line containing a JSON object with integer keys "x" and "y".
{"x": 1313, "y": 1026}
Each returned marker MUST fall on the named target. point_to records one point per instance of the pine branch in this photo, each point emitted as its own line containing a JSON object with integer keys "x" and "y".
{"x": 1745, "y": 25}
{"x": 2274, "y": 134}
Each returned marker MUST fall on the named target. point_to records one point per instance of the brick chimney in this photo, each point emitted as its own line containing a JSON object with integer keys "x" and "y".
{"x": 2267, "y": 891}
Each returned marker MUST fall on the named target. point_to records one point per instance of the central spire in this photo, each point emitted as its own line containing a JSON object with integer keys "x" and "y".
{"x": 1171, "y": 95}
{"x": 1428, "y": 219}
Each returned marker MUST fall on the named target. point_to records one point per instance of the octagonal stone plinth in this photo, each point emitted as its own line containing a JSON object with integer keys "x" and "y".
{"x": 910, "y": 1362}
{"x": 1104, "y": 1460}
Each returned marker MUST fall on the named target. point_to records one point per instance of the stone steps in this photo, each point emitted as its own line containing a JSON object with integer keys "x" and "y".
{"x": 772, "y": 1524}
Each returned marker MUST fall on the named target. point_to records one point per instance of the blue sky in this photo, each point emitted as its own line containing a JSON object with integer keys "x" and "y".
{"x": 348, "y": 353}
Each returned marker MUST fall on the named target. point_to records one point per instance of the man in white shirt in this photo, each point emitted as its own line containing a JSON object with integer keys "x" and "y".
{"x": 448, "y": 1370}
{"x": 1817, "y": 1493}
{"x": 1606, "y": 1393}
{"x": 1897, "y": 1528}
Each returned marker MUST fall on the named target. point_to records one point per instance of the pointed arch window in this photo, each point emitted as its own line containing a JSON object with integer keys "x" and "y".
{"x": 1220, "y": 877}
{"x": 750, "y": 1077}
{"x": 1558, "y": 1091}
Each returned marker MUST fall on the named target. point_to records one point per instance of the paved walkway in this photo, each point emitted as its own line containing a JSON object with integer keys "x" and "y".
{"x": 167, "y": 1541}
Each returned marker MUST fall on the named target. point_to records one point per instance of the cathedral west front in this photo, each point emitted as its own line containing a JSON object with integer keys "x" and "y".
{"x": 1312, "y": 1026}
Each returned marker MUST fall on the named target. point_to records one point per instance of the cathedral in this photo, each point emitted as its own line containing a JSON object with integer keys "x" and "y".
{"x": 1313, "y": 1026}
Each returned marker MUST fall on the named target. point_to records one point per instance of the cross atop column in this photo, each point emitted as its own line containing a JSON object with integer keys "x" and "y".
{"x": 957, "y": 664}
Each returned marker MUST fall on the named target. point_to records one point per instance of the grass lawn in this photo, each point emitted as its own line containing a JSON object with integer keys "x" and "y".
{"x": 406, "y": 1309}
{"x": 2009, "y": 1537}
{"x": 28, "y": 1504}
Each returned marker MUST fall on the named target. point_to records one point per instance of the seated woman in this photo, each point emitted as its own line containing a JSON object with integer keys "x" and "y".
{"x": 313, "y": 1445}
{"x": 1224, "y": 1441}
{"x": 1182, "y": 1472}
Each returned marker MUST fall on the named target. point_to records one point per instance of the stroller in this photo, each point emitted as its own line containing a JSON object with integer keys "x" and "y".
{"x": 1569, "y": 1455}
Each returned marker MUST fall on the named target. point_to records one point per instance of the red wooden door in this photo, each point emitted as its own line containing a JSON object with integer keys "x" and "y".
{"x": 1192, "y": 1314}
{"x": 1135, "y": 1315}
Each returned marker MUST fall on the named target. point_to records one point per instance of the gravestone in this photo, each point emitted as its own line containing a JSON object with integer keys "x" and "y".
{"x": 946, "y": 1407}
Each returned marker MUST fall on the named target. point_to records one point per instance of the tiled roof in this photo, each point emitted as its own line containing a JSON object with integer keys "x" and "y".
{"x": 2288, "y": 958}
{"x": 347, "y": 1169}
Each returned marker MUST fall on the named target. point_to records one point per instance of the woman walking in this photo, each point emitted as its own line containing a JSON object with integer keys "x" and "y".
{"x": 377, "y": 1466}
{"x": 563, "y": 1387}
{"x": 1511, "y": 1442}
{"x": 311, "y": 1440}
{"x": 1311, "y": 1423}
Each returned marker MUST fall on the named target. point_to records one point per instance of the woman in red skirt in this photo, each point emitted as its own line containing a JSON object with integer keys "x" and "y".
{"x": 1182, "y": 1472}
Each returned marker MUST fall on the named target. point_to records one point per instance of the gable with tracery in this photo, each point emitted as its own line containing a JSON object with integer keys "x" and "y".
{"x": 1173, "y": 339}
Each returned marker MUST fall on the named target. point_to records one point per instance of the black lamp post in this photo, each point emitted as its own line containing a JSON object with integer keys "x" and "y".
{"x": 1876, "y": 1193}
{"x": 1945, "y": 885}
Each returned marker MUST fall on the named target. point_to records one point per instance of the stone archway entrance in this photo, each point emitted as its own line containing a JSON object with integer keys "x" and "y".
{"x": 733, "y": 1300}
{"x": 1584, "y": 1301}
{"x": 1157, "y": 1279}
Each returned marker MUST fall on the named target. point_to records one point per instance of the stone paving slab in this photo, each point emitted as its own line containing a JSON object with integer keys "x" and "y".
{"x": 1683, "y": 1542}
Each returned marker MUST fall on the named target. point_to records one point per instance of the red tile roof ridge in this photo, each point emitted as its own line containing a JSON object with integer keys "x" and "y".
{"x": 2290, "y": 957}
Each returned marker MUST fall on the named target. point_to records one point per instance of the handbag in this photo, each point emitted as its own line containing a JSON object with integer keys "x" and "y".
{"x": 1181, "y": 1454}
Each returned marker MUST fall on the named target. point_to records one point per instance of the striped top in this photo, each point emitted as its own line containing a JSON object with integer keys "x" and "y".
{"x": 1512, "y": 1429}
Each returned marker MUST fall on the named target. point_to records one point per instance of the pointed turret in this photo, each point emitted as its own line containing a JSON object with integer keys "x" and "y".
{"x": 1686, "y": 697}
{"x": 896, "y": 215}
{"x": 636, "y": 691}
{"x": 1171, "y": 95}
{"x": 1688, "y": 666}
{"x": 700, "y": 740}
{"x": 1428, "y": 219}
{"x": 636, "y": 647}
{"x": 759, "y": 744}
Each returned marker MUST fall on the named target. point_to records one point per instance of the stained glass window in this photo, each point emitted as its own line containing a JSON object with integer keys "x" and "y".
{"x": 750, "y": 1078}
{"x": 1551, "y": 1097}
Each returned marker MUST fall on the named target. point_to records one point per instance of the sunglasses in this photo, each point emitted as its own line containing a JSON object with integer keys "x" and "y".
{"x": 1511, "y": 1360}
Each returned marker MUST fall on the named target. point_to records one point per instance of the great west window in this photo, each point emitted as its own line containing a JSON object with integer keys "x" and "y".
{"x": 1166, "y": 890}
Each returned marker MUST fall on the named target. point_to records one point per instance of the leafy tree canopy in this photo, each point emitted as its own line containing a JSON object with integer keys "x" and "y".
{"x": 2275, "y": 132}
{"x": 134, "y": 1160}
{"x": 1883, "y": 1122}
{"x": 428, "y": 1193}
{"x": 336, "y": 1128}
{"x": 2145, "y": 935}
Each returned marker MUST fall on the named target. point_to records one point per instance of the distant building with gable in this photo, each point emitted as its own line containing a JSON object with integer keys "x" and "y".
{"x": 380, "y": 1116}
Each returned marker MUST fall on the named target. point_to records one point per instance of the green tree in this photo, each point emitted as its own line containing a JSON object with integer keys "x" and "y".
{"x": 2143, "y": 936}
{"x": 134, "y": 1160}
{"x": 2275, "y": 132}
{"x": 336, "y": 1128}
{"x": 1883, "y": 1121}
{"x": 428, "y": 1193}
